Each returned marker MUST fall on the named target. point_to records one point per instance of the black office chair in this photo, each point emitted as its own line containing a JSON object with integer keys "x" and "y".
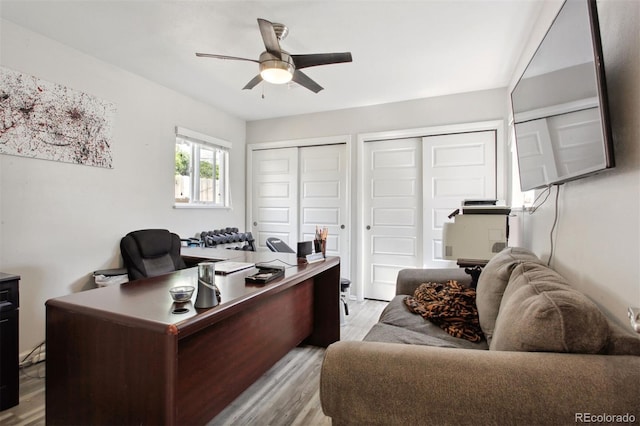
{"x": 279, "y": 246}
{"x": 151, "y": 252}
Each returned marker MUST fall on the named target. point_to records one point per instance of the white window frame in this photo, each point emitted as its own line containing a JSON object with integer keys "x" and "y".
{"x": 199, "y": 140}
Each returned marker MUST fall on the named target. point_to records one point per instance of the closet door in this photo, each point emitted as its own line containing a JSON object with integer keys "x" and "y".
{"x": 392, "y": 184}
{"x": 323, "y": 198}
{"x": 274, "y": 195}
{"x": 457, "y": 166}
{"x": 410, "y": 186}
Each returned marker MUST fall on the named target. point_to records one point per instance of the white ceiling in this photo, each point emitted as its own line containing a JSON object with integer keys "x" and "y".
{"x": 401, "y": 49}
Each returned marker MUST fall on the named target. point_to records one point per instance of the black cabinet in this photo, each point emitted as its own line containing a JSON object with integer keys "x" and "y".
{"x": 9, "y": 304}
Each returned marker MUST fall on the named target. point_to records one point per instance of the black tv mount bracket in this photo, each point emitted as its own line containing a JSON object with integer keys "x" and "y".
{"x": 472, "y": 267}
{"x": 475, "y": 274}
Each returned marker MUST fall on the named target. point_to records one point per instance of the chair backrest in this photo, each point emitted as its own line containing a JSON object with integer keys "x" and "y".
{"x": 277, "y": 245}
{"x": 151, "y": 252}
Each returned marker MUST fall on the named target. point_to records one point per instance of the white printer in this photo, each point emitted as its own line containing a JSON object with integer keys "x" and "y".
{"x": 480, "y": 232}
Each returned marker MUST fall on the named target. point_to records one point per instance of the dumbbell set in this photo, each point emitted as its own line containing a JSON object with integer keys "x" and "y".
{"x": 232, "y": 236}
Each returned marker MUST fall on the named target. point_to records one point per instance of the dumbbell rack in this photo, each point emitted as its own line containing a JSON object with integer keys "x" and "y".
{"x": 229, "y": 238}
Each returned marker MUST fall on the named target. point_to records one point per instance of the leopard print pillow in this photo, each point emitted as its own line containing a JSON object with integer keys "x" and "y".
{"x": 449, "y": 305}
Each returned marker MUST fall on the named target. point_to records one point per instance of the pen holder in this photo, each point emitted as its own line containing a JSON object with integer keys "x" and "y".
{"x": 320, "y": 246}
{"x": 208, "y": 294}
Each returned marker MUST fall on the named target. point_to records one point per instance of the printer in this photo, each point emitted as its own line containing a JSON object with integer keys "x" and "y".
{"x": 477, "y": 233}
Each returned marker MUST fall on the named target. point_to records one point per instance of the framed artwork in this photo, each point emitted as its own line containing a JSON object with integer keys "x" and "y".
{"x": 40, "y": 119}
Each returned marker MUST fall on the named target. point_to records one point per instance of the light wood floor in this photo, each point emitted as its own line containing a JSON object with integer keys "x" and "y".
{"x": 287, "y": 394}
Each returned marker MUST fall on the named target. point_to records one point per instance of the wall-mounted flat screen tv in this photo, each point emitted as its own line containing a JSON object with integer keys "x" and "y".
{"x": 559, "y": 104}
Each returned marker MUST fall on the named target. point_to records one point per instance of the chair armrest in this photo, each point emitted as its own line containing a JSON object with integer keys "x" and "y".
{"x": 386, "y": 383}
{"x": 409, "y": 279}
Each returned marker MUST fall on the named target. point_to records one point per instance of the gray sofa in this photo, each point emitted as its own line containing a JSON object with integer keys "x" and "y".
{"x": 549, "y": 356}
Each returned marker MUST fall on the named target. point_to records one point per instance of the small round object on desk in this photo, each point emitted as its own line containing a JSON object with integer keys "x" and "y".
{"x": 182, "y": 294}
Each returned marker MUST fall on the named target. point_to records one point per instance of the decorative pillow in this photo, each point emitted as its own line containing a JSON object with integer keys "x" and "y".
{"x": 540, "y": 312}
{"x": 492, "y": 283}
{"x": 450, "y": 306}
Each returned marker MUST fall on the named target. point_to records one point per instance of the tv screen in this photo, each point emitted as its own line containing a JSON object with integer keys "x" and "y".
{"x": 559, "y": 104}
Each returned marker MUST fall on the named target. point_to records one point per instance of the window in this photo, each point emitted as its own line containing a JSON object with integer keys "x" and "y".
{"x": 201, "y": 170}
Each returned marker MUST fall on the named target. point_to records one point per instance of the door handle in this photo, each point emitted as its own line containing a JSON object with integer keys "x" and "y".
{"x": 368, "y": 227}
{"x": 342, "y": 226}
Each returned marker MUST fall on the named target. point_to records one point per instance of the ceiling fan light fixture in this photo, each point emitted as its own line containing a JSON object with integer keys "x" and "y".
{"x": 276, "y": 71}
{"x": 277, "y": 66}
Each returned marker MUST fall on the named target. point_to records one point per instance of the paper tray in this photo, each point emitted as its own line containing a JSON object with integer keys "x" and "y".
{"x": 264, "y": 276}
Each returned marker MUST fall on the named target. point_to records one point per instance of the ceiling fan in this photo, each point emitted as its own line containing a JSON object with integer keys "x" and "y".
{"x": 278, "y": 66}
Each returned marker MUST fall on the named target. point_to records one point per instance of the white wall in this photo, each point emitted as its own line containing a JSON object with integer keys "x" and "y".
{"x": 598, "y": 231}
{"x": 59, "y": 222}
{"x": 462, "y": 108}
{"x": 451, "y": 109}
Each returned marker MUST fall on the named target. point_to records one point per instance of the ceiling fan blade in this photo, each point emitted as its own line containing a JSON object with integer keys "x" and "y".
{"x": 303, "y": 80}
{"x": 269, "y": 37}
{"x": 314, "y": 59}
{"x": 235, "y": 58}
{"x": 253, "y": 83}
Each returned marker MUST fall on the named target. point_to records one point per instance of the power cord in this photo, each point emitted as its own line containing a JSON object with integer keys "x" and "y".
{"x": 555, "y": 222}
{"x": 289, "y": 265}
{"x": 545, "y": 193}
{"x": 28, "y": 361}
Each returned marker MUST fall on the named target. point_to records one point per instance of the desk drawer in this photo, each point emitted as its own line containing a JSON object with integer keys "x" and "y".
{"x": 9, "y": 297}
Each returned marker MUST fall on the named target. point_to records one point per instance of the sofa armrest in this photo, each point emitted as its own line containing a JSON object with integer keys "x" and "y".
{"x": 409, "y": 279}
{"x": 386, "y": 383}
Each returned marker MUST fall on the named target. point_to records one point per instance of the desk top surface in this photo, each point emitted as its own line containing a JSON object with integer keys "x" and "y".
{"x": 147, "y": 302}
{"x": 8, "y": 277}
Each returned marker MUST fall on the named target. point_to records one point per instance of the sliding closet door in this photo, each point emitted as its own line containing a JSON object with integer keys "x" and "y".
{"x": 323, "y": 198}
{"x": 296, "y": 189}
{"x": 410, "y": 186}
{"x": 392, "y": 184}
{"x": 457, "y": 166}
{"x": 274, "y": 211}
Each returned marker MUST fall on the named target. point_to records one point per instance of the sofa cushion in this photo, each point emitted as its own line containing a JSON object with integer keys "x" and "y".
{"x": 450, "y": 306}
{"x": 492, "y": 283}
{"x": 398, "y": 325}
{"x": 540, "y": 312}
{"x": 622, "y": 341}
{"x": 387, "y": 333}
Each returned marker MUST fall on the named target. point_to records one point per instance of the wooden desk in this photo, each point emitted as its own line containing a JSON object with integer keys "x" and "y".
{"x": 193, "y": 255}
{"x": 118, "y": 355}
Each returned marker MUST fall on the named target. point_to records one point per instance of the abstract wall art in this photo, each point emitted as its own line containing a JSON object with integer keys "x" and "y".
{"x": 40, "y": 119}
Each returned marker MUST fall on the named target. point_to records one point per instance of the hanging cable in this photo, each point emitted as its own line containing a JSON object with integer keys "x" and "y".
{"x": 555, "y": 222}
{"x": 28, "y": 364}
{"x": 26, "y": 361}
{"x": 544, "y": 193}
